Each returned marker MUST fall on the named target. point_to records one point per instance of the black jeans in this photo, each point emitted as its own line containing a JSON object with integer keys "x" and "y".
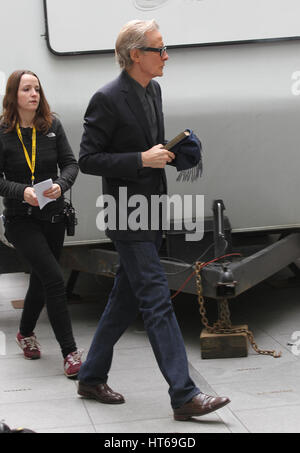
{"x": 40, "y": 243}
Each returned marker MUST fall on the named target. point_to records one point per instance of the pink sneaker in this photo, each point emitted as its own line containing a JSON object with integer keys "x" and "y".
{"x": 72, "y": 363}
{"x": 29, "y": 345}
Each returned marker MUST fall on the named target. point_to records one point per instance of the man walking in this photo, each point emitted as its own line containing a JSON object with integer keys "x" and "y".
{"x": 123, "y": 142}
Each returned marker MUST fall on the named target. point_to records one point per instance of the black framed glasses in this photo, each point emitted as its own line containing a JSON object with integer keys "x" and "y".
{"x": 160, "y": 50}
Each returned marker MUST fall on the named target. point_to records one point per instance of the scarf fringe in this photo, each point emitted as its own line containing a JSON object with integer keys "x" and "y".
{"x": 192, "y": 174}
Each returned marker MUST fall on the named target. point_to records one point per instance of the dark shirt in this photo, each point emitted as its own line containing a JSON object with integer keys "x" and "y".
{"x": 147, "y": 96}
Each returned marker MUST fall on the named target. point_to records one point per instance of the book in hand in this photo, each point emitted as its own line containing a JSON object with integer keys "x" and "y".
{"x": 177, "y": 139}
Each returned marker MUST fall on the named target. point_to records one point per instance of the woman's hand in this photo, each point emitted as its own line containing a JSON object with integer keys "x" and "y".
{"x": 54, "y": 192}
{"x": 30, "y": 196}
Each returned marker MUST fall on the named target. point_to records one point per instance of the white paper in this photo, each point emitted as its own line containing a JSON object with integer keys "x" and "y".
{"x": 39, "y": 188}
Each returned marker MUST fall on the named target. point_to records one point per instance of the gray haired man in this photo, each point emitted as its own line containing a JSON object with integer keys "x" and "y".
{"x": 123, "y": 143}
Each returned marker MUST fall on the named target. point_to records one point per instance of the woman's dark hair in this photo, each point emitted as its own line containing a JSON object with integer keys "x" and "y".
{"x": 9, "y": 118}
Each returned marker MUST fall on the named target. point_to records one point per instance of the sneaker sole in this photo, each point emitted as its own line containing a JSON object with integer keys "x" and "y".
{"x": 27, "y": 358}
{"x": 71, "y": 375}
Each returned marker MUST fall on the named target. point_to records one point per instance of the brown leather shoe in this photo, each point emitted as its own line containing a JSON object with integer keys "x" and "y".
{"x": 201, "y": 404}
{"x": 101, "y": 392}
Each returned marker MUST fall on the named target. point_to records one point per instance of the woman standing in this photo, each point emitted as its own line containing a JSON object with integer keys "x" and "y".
{"x": 33, "y": 146}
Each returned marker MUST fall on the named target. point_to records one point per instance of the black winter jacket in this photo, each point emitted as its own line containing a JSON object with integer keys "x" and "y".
{"x": 53, "y": 153}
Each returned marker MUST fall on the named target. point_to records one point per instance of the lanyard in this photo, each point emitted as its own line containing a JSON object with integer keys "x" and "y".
{"x": 31, "y": 163}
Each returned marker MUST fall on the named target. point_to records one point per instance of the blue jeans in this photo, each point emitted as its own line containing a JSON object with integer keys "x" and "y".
{"x": 141, "y": 286}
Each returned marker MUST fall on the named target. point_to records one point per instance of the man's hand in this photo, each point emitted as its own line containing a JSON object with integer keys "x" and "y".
{"x": 157, "y": 157}
{"x": 30, "y": 196}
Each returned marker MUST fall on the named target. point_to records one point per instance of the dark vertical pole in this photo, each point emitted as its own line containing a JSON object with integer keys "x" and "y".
{"x": 219, "y": 234}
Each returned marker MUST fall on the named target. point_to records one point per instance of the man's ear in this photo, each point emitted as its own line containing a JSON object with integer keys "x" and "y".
{"x": 135, "y": 55}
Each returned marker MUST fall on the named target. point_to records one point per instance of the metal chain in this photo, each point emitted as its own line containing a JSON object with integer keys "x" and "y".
{"x": 223, "y": 325}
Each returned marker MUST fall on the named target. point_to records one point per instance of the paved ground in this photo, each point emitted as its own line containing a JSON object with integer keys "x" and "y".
{"x": 265, "y": 392}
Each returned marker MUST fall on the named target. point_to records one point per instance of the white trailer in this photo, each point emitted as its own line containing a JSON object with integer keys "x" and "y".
{"x": 232, "y": 76}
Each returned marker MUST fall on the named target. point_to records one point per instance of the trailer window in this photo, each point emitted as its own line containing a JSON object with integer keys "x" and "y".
{"x": 91, "y": 26}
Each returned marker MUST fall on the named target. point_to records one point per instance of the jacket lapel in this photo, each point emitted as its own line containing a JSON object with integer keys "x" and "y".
{"x": 136, "y": 107}
{"x": 138, "y": 111}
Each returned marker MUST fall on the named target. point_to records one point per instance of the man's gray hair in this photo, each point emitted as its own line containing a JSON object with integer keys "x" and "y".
{"x": 132, "y": 36}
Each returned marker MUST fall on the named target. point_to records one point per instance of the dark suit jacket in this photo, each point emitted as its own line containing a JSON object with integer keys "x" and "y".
{"x": 116, "y": 130}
